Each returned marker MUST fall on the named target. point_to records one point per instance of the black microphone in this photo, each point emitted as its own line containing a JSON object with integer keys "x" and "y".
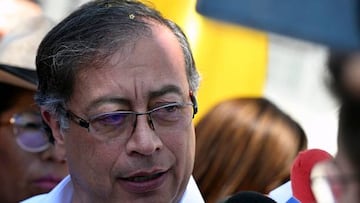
{"x": 249, "y": 197}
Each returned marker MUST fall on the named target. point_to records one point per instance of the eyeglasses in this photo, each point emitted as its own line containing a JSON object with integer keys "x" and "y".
{"x": 328, "y": 183}
{"x": 28, "y": 131}
{"x": 165, "y": 118}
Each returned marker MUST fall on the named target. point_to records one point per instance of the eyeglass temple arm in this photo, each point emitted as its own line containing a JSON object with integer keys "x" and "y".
{"x": 83, "y": 123}
{"x": 195, "y": 105}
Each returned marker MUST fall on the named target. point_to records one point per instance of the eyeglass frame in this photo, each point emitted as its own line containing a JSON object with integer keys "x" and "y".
{"x": 86, "y": 123}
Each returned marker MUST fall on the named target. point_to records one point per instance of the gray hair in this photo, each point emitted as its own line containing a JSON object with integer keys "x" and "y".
{"x": 90, "y": 35}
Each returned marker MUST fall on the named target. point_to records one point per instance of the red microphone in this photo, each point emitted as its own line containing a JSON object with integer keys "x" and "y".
{"x": 301, "y": 170}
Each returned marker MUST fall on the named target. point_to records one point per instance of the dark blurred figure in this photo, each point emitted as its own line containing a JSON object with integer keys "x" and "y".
{"x": 30, "y": 165}
{"x": 245, "y": 144}
{"x": 338, "y": 180}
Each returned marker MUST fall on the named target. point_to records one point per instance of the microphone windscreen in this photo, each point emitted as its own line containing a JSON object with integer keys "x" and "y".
{"x": 249, "y": 197}
{"x": 301, "y": 170}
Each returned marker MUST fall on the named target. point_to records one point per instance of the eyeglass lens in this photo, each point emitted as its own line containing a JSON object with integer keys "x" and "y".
{"x": 168, "y": 117}
{"x": 29, "y": 133}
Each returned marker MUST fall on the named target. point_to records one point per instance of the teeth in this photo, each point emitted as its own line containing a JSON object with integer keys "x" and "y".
{"x": 143, "y": 178}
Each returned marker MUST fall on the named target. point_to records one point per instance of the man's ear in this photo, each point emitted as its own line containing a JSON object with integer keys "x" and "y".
{"x": 54, "y": 126}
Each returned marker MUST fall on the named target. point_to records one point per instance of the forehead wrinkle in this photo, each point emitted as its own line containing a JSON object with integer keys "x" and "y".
{"x": 136, "y": 91}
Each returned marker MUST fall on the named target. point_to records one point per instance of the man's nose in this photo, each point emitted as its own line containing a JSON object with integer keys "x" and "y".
{"x": 149, "y": 120}
{"x": 144, "y": 139}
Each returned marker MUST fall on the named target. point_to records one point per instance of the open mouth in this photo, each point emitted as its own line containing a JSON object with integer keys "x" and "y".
{"x": 142, "y": 183}
{"x": 144, "y": 178}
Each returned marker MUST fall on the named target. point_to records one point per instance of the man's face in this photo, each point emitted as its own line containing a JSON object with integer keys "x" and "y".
{"x": 144, "y": 165}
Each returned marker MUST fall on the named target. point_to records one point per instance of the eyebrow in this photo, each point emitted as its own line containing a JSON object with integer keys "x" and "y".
{"x": 152, "y": 94}
{"x": 109, "y": 100}
{"x": 164, "y": 90}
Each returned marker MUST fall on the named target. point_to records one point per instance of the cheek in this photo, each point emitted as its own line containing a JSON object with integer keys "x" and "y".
{"x": 16, "y": 166}
{"x": 182, "y": 145}
{"x": 11, "y": 155}
{"x": 78, "y": 150}
{"x": 192, "y": 145}
{"x": 88, "y": 158}
{"x": 77, "y": 146}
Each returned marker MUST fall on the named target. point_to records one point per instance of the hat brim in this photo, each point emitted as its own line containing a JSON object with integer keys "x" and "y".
{"x": 19, "y": 77}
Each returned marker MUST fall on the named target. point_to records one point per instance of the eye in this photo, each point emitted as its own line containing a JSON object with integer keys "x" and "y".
{"x": 171, "y": 108}
{"x": 167, "y": 113}
{"x": 111, "y": 119}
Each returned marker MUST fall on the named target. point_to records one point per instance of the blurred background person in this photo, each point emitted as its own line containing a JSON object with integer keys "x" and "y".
{"x": 245, "y": 144}
{"x": 339, "y": 180}
{"x": 344, "y": 73}
{"x": 30, "y": 165}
